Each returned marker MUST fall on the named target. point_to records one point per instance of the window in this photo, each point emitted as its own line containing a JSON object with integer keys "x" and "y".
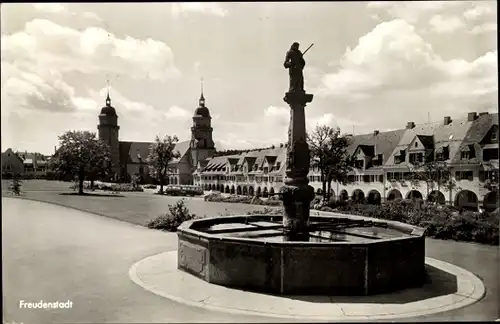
{"x": 490, "y": 154}
{"x": 464, "y": 175}
{"x": 464, "y": 155}
{"x": 381, "y": 178}
{"x": 416, "y": 144}
{"x": 360, "y": 164}
{"x": 416, "y": 158}
{"x": 494, "y": 134}
{"x": 366, "y": 178}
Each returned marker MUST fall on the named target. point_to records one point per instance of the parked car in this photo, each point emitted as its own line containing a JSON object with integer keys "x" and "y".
{"x": 183, "y": 190}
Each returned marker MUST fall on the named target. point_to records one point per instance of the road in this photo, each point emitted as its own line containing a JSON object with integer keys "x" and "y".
{"x": 52, "y": 253}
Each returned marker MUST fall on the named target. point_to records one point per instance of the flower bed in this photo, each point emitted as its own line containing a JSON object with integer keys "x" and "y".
{"x": 118, "y": 187}
{"x": 441, "y": 222}
{"x": 217, "y": 197}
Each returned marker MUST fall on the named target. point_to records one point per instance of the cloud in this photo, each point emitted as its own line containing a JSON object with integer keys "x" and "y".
{"x": 39, "y": 89}
{"x": 411, "y": 11}
{"x": 443, "y": 24}
{"x": 332, "y": 120}
{"x": 51, "y": 7}
{"x": 393, "y": 71}
{"x": 196, "y": 67}
{"x": 391, "y": 56}
{"x": 394, "y": 57}
{"x": 46, "y": 44}
{"x": 277, "y": 115}
{"x": 481, "y": 10}
{"x": 175, "y": 112}
{"x": 61, "y": 9}
{"x": 442, "y": 16}
{"x": 209, "y": 8}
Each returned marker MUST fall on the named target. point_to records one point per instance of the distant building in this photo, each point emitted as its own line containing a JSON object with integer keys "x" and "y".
{"x": 384, "y": 162}
{"x": 25, "y": 164}
{"x": 130, "y": 158}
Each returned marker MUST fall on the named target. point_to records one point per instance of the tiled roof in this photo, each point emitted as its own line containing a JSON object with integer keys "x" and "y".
{"x": 427, "y": 141}
{"x": 480, "y": 127}
{"x": 475, "y": 134}
{"x": 450, "y": 135}
{"x": 254, "y": 157}
{"x": 384, "y": 142}
{"x": 32, "y": 158}
{"x": 4, "y": 154}
{"x": 368, "y": 150}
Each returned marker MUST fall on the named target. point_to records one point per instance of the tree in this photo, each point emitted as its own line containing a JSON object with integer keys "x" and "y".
{"x": 82, "y": 155}
{"x": 329, "y": 154}
{"x": 436, "y": 173}
{"x": 15, "y": 185}
{"x": 161, "y": 153}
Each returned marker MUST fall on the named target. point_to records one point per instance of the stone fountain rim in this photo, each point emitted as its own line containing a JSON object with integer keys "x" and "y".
{"x": 413, "y": 231}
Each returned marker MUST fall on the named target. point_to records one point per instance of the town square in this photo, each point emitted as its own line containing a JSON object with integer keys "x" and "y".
{"x": 250, "y": 162}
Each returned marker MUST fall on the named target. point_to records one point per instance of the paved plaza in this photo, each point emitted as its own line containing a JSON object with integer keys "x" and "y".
{"x": 53, "y": 253}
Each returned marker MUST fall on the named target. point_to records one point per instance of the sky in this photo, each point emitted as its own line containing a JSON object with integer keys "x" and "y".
{"x": 373, "y": 66}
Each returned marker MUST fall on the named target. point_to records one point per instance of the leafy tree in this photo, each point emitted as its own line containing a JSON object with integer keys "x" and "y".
{"x": 329, "y": 154}
{"x": 161, "y": 153}
{"x": 436, "y": 174}
{"x": 15, "y": 185}
{"x": 81, "y": 155}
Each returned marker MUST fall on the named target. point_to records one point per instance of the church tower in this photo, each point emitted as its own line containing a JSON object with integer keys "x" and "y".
{"x": 108, "y": 132}
{"x": 202, "y": 145}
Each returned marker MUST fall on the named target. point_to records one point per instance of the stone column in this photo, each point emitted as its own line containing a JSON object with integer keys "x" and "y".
{"x": 296, "y": 194}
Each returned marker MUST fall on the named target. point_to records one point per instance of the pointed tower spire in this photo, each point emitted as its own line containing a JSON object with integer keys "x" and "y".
{"x": 108, "y": 99}
{"x": 202, "y": 98}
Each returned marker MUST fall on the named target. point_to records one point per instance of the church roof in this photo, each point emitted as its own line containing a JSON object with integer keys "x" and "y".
{"x": 202, "y": 111}
{"x": 108, "y": 110}
{"x": 135, "y": 152}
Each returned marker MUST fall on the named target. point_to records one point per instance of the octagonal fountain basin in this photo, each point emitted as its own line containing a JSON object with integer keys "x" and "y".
{"x": 345, "y": 255}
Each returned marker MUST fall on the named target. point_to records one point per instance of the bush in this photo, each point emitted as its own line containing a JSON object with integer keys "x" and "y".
{"x": 315, "y": 202}
{"x": 126, "y": 187}
{"x": 215, "y": 197}
{"x": 272, "y": 202}
{"x": 118, "y": 187}
{"x": 176, "y": 215}
{"x": 266, "y": 211}
{"x": 15, "y": 185}
{"x": 150, "y": 186}
{"x": 441, "y": 222}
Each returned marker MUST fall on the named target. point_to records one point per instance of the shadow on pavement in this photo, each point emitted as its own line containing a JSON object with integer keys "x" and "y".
{"x": 90, "y": 194}
{"x": 438, "y": 283}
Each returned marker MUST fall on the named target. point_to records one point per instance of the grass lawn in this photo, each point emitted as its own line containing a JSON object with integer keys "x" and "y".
{"x": 133, "y": 207}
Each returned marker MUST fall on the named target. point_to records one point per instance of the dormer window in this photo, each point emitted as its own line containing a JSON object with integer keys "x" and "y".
{"x": 494, "y": 134}
{"x": 400, "y": 157}
{"x": 468, "y": 152}
{"x": 360, "y": 164}
{"x": 416, "y": 144}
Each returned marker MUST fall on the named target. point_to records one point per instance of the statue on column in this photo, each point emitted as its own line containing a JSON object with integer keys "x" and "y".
{"x": 294, "y": 62}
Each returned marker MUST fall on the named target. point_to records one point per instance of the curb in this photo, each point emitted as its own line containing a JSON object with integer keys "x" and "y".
{"x": 195, "y": 292}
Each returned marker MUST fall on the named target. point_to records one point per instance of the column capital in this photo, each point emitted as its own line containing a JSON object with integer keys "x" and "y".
{"x": 298, "y": 97}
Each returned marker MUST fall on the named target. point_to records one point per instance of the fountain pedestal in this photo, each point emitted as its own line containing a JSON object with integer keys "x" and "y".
{"x": 296, "y": 194}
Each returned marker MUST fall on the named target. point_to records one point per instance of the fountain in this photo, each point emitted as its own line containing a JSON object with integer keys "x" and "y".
{"x": 297, "y": 253}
